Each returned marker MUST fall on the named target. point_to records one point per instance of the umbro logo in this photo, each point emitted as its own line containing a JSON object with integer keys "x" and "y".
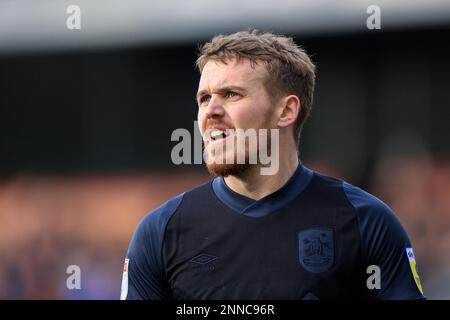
{"x": 203, "y": 258}
{"x": 204, "y": 263}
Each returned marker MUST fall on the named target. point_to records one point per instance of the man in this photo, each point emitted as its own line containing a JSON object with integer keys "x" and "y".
{"x": 294, "y": 234}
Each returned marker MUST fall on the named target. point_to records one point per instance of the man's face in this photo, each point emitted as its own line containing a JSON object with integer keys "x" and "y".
{"x": 232, "y": 96}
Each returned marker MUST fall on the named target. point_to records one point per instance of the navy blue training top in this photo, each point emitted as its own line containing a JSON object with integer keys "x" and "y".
{"x": 316, "y": 237}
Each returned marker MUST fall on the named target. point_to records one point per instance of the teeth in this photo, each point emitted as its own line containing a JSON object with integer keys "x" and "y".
{"x": 217, "y": 134}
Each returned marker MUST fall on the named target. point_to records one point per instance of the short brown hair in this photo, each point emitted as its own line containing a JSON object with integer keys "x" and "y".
{"x": 289, "y": 66}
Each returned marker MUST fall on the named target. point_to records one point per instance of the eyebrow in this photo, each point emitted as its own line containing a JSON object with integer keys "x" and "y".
{"x": 222, "y": 90}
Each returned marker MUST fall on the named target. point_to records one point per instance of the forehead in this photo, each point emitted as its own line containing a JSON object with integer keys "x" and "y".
{"x": 234, "y": 72}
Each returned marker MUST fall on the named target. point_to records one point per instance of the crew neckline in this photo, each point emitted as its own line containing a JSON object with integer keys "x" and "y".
{"x": 268, "y": 204}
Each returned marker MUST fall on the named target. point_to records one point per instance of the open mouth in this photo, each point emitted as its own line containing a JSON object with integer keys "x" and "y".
{"x": 217, "y": 134}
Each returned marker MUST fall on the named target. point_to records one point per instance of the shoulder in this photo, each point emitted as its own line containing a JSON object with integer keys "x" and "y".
{"x": 155, "y": 221}
{"x": 336, "y": 191}
{"x": 149, "y": 233}
{"x": 371, "y": 211}
{"x": 376, "y": 220}
{"x": 159, "y": 217}
{"x": 362, "y": 200}
{"x": 382, "y": 234}
{"x": 385, "y": 243}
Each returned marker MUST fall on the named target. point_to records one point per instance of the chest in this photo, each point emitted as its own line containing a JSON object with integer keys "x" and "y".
{"x": 298, "y": 253}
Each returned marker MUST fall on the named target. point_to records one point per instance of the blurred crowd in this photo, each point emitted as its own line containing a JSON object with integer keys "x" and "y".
{"x": 50, "y": 222}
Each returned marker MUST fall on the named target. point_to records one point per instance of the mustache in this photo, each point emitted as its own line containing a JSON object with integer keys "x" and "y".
{"x": 214, "y": 123}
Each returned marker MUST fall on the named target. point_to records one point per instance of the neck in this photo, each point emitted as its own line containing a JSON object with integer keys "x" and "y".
{"x": 256, "y": 186}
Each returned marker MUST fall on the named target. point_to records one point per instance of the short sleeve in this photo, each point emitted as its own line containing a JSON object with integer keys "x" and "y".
{"x": 144, "y": 275}
{"x": 385, "y": 244}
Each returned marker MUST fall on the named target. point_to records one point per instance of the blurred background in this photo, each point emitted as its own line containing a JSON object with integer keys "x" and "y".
{"x": 86, "y": 117}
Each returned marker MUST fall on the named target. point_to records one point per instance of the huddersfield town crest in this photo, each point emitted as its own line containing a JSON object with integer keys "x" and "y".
{"x": 316, "y": 249}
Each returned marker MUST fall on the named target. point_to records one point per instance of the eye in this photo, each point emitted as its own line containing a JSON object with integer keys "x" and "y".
{"x": 204, "y": 99}
{"x": 231, "y": 94}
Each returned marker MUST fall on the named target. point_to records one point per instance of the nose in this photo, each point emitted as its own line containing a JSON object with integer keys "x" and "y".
{"x": 215, "y": 108}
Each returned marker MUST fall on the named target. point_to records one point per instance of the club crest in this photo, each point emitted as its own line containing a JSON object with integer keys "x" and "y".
{"x": 316, "y": 249}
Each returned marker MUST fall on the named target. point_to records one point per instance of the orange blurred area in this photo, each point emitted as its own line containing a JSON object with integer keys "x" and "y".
{"x": 49, "y": 223}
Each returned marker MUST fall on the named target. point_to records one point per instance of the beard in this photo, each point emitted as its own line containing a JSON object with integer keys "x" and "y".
{"x": 235, "y": 168}
{"x": 225, "y": 170}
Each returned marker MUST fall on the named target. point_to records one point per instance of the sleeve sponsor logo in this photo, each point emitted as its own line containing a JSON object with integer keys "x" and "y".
{"x": 413, "y": 265}
{"x": 124, "y": 288}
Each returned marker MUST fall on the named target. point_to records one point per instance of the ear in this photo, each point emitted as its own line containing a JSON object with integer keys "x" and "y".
{"x": 290, "y": 111}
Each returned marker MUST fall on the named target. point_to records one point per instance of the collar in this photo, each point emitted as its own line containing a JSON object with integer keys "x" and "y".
{"x": 270, "y": 203}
